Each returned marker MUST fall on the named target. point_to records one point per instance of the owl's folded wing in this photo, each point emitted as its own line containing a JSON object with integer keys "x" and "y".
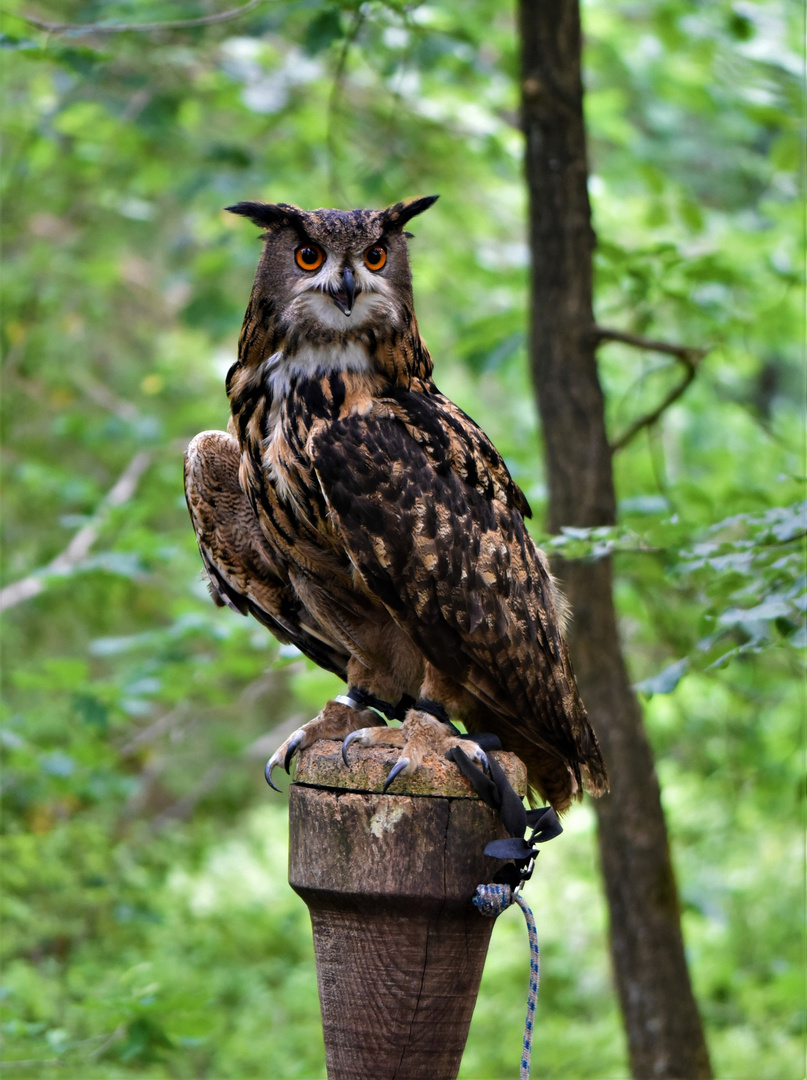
{"x": 239, "y": 566}
{"x": 457, "y": 571}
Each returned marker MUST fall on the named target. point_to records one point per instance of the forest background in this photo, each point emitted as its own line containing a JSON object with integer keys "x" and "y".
{"x": 148, "y": 927}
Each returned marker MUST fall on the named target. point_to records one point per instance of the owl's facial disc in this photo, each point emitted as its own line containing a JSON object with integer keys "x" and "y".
{"x": 341, "y": 287}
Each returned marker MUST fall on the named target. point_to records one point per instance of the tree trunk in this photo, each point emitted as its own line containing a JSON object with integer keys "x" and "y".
{"x": 665, "y": 1036}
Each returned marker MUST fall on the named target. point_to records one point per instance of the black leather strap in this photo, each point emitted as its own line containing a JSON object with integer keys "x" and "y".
{"x": 363, "y": 699}
{"x": 399, "y": 712}
{"x": 433, "y": 708}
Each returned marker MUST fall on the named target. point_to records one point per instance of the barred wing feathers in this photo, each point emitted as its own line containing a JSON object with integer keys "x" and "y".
{"x": 433, "y": 523}
{"x": 240, "y": 569}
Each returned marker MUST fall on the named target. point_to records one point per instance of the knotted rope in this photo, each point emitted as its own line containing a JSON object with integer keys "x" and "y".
{"x": 492, "y": 900}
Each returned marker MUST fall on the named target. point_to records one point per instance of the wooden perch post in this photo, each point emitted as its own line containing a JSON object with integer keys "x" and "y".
{"x": 389, "y": 881}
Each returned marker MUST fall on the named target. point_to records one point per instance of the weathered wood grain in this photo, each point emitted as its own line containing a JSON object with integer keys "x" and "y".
{"x": 388, "y": 880}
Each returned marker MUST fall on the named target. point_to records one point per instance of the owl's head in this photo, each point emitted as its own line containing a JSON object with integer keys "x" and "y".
{"x": 330, "y": 273}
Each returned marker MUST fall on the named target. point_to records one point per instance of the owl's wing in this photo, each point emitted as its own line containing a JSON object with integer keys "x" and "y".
{"x": 445, "y": 550}
{"x": 240, "y": 569}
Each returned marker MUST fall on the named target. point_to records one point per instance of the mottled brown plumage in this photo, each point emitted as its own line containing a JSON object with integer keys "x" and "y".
{"x": 362, "y": 516}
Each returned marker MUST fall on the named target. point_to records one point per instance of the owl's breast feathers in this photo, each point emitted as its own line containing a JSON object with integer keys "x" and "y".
{"x": 381, "y": 491}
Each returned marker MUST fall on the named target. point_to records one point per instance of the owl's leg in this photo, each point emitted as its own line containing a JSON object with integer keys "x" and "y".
{"x": 426, "y": 729}
{"x": 421, "y": 733}
{"x": 336, "y": 721}
{"x": 369, "y": 693}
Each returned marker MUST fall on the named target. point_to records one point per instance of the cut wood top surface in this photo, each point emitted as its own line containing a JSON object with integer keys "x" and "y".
{"x": 321, "y": 765}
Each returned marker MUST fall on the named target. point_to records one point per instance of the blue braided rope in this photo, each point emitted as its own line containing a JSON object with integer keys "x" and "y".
{"x": 492, "y": 900}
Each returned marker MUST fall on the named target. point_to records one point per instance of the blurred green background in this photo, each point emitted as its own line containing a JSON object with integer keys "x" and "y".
{"x": 148, "y": 927}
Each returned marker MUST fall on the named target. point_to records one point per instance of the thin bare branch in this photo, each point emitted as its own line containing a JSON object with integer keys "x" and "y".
{"x": 655, "y": 414}
{"x": 94, "y": 390}
{"x": 13, "y": 357}
{"x": 31, "y": 1063}
{"x": 114, "y": 1037}
{"x": 265, "y": 745}
{"x": 686, "y": 355}
{"x": 79, "y": 547}
{"x": 103, "y": 396}
{"x": 159, "y": 727}
{"x": 119, "y": 28}
{"x": 184, "y": 807}
{"x": 682, "y": 352}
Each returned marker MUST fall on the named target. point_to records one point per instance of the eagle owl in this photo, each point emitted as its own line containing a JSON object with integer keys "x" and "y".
{"x": 362, "y": 516}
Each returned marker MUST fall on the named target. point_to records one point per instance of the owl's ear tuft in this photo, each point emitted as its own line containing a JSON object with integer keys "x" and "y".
{"x": 266, "y": 215}
{"x": 397, "y": 215}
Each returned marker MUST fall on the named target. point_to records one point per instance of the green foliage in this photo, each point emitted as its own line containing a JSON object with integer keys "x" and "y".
{"x": 148, "y": 927}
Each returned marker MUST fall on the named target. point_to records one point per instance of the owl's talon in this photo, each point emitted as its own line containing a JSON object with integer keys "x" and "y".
{"x": 284, "y": 754}
{"x": 400, "y": 766}
{"x": 271, "y": 765}
{"x": 478, "y": 758}
{"x": 293, "y": 746}
{"x": 347, "y": 741}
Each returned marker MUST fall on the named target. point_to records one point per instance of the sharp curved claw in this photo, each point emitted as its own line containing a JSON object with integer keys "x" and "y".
{"x": 483, "y": 761}
{"x": 293, "y": 746}
{"x": 395, "y": 771}
{"x": 267, "y": 772}
{"x": 346, "y": 743}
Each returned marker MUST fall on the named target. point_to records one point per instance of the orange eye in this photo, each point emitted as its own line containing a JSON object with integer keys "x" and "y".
{"x": 309, "y": 257}
{"x": 375, "y": 257}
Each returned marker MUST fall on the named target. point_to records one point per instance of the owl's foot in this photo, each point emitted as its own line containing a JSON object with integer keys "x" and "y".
{"x": 334, "y": 722}
{"x": 419, "y": 735}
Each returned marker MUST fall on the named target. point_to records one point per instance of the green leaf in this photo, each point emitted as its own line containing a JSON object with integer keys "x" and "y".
{"x": 666, "y": 681}
{"x": 323, "y": 30}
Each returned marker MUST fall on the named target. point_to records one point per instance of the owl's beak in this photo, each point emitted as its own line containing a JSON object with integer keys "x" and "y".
{"x": 345, "y": 296}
